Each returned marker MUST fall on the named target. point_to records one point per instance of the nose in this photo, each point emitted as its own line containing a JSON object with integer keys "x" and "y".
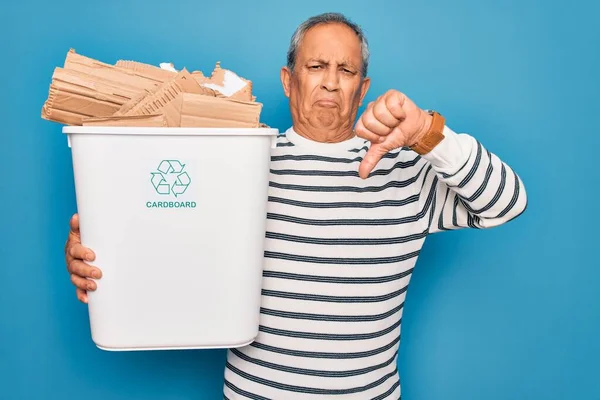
{"x": 331, "y": 81}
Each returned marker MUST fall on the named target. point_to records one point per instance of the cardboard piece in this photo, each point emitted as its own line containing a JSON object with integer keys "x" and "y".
{"x": 160, "y": 73}
{"x": 152, "y": 103}
{"x": 227, "y": 83}
{"x": 121, "y": 76}
{"x": 89, "y": 92}
{"x": 87, "y": 85}
{"x": 131, "y": 120}
{"x": 194, "y": 110}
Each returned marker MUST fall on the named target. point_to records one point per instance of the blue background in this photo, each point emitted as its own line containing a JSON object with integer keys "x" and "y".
{"x": 508, "y": 313}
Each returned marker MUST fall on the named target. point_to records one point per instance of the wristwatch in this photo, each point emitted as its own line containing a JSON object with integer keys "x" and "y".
{"x": 432, "y": 137}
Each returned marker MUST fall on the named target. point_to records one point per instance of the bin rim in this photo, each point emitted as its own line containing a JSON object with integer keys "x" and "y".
{"x": 171, "y": 131}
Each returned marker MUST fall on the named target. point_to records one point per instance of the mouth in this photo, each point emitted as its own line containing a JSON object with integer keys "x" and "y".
{"x": 326, "y": 103}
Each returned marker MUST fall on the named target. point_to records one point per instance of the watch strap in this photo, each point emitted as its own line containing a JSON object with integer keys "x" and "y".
{"x": 432, "y": 137}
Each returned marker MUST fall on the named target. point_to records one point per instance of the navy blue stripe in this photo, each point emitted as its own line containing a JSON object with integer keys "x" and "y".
{"x": 309, "y": 390}
{"x": 337, "y": 222}
{"x": 454, "y": 208}
{"x": 325, "y": 355}
{"x": 337, "y": 279}
{"x": 341, "y": 261}
{"x": 496, "y": 197}
{"x": 329, "y": 336}
{"x": 382, "y": 203}
{"x": 291, "y": 157}
{"x": 242, "y": 392}
{"x": 331, "y": 318}
{"x": 474, "y": 168}
{"x": 285, "y": 144}
{"x": 385, "y": 394}
{"x": 346, "y": 241}
{"x": 473, "y": 221}
{"x": 353, "y": 189}
{"x": 486, "y": 179}
{"x": 513, "y": 201}
{"x": 312, "y": 372}
{"x": 333, "y": 299}
{"x": 441, "y": 225}
{"x": 433, "y": 203}
{"x": 296, "y": 172}
{"x": 378, "y": 172}
{"x": 364, "y": 148}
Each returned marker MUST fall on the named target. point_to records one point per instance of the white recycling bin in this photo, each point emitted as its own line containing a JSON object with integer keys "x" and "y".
{"x": 176, "y": 217}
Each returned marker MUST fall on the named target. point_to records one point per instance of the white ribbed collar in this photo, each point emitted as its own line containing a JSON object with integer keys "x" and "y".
{"x": 348, "y": 144}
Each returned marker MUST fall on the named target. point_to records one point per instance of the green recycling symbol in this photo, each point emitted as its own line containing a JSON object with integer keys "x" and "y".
{"x": 170, "y": 178}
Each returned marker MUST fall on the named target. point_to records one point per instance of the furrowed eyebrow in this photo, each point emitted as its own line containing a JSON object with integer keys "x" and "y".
{"x": 344, "y": 64}
{"x": 347, "y": 65}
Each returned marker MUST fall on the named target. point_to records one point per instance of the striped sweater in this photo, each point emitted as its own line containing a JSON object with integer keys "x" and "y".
{"x": 339, "y": 254}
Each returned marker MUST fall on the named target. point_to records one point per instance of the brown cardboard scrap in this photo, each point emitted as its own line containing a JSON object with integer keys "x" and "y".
{"x": 134, "y": 101}
{"x": 160, "y": 73}
{"x": 64, "y": 117}
{"x": 194, "y": 110}
{"x": 131, "y": 120}
{"x": 77, "y": 106}
{"x": 89, "y": 92}
{"x": 81, "y": 94}
{"x": 122, "y": 76}
{"x": 200, "y": 78}
{"x": 153, "y": 102}
{"x": 102, "y": 89}
{"x": 222, "y": 80}
{"x": 82, "y": 104}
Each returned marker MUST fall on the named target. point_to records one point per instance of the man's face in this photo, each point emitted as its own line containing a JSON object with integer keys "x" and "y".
{"x": 326, "y": 87}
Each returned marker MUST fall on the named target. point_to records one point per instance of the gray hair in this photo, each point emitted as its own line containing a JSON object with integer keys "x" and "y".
{"x": 327, "y": 18}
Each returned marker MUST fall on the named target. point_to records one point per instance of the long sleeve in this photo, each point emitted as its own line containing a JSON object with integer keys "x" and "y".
{"x": 465, "y": 185}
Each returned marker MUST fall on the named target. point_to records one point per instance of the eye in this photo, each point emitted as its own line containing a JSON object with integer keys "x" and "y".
{"x": 315, "y": 67}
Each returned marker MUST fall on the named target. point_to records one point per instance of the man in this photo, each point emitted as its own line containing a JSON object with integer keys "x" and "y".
{"x": 350, "y": 206}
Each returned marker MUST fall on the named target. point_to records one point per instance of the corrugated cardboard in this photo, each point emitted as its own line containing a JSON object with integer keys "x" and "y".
{"x": 76, "y": 105}
{"x": 155, "y": 101}
{"x": 194, "y": 110}
{"x": 160, "y": 73}
{"x": 218, "y": 77}
{"x": 87, "y": 85}
{"x": 130, "y": 93}
{"x": 218, "y": 82}
{"x": 121, "y": 76}
{"x": 132, "y": 120}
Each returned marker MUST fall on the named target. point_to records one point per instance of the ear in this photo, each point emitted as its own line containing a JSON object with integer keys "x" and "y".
{"x": 286, "y": 76}
{"x": 366, "y": 83}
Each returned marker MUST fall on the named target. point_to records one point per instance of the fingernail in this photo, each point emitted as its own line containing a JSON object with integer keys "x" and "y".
{"x": 88, "y": 256}
{"x": 90, "y": 286}
{"x": 381, "y": 139}
{"x": 95, "y": 274}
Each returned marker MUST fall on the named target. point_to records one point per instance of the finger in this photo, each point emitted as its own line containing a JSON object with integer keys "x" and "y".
{"x": 384, "y": 116}
{"x": 82, "y": 283}
{"x": 372, "y": 123}
{"x": 366, "y": 134}
{"x": 84, "y": 270}
{"x": 81, "y": 295}
{"x": 373, "y": 156}
{"x": 79, "y": 252}
{"x": 394, "y": 103}
{"x": 74, "y": 224}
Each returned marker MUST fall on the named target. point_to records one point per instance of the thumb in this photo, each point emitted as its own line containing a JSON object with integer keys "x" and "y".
{"x": 373, "y": 156}
{"x": 74, "y": 226}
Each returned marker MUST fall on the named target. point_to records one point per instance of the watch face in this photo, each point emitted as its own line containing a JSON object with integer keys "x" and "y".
{"x": 431, "y": 112}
